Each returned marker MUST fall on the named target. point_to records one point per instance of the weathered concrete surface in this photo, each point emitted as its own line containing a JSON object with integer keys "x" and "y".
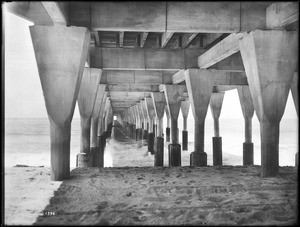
{"x": 199, "y": 84}
{"x": 216, "y": 102}
{"x": 86, "y": 101}
{"x": 270, "y": 59}
{"x": 60, "y": 69}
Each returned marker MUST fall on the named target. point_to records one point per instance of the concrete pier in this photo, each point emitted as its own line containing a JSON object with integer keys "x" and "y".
{"x": 95, "y": 149}
{"x": 60, "y": 69}
{"x": 185, "y": 106}
{"x": 168, "y": 129}
{"x": 216, "y": 102}
{"x": 173, "y": 95}
{"x": 295, "y": 94}
{"x": 199, "y": 83}
{"x": 151, "y": 116}
{"x": 159, "y": 103}
{"x": 248, "y": 111}
{"x": 86, "y": 101}
{"x": 270, "y": 60}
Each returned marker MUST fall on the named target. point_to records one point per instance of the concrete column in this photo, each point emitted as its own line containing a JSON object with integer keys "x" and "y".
{"x": 60, "y": 55}
{"x": 216, "y": 102}
{"x": 138, "y": 124}
{"x": 270, "y": 59}
{"x": 159, "y": 103}
{"x": 98, "y": 160}
{"x": 86, "y": 101}
{"x": 295, "y": 94}
{"x": 173, "y": 95}
{"x": 168, "y": 129}
{"x": 248, "y": 111}
{"x": 145, "y": 130}
{"x": 199, "y": 83}
{"x": 151, "y": 114}
{"x": 185, "y": 106}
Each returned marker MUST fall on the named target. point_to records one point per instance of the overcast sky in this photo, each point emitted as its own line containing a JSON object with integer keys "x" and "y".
{"x": 23, "y": 92}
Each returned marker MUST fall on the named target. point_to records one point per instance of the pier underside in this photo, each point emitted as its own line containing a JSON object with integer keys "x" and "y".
{"x": 136, "y": 60}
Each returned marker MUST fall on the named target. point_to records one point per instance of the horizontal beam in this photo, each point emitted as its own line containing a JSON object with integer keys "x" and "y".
{"x": 55, "y": 12}
{"x": 132, "y": 88}
{"x": 281, "y": 14}
{"x": 189, "y": 17}
{"x": 143, "y": 59}
{"x": 144, "y": 77}
{"x": 220, "y": 51}
{"x": 32, "y": 11}
{"x": 222, "y": 78}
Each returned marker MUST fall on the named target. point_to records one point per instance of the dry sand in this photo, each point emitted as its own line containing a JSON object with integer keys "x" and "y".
{"x": 224, "y": 195}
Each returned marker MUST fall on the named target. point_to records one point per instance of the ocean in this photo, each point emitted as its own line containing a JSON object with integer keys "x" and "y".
{"x": 27, "y": 142}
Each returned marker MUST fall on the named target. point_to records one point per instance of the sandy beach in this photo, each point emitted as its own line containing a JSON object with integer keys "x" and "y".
{"x": 224, "y": 195}
{"x": 133, "y": 192}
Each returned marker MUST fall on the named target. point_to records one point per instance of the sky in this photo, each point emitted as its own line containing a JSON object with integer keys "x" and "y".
{"x": 23, "y": 91}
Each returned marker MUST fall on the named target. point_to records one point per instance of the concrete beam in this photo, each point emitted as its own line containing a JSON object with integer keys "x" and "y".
{"x": 220, "y": 51}
{"x": 144, "y": 36}
{"x": 159, "y": 102}
{"x": 281, "y": 14}
{"x": 55, "y": 12}
{"x": 32, "y": 11}
{"x": 143, "y": 77}
{"x": 166, "y": 36}
{"x": 187, "y": 39}
{"x": 222, "y": 78}
{"x": 233, "y": 63}
{"x": 143, "y": 59}
{"x": 132, "y": 88}
{"x": 121, "y": 39}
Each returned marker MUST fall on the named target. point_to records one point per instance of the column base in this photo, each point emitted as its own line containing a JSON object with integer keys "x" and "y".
{"x": 84, "y": 160}
{"x": 168, "y": 134}
{"x": 247, "y": 154}
{"x": 145, "y": 137}
{"x": 151, "y": 142}
{"x": 174, "y": 154}
{"x": 158, "y": 151}
{"x": 198, "y": 159}
{"x": 217, "y": 151}
{"x": 98, "y": 156}
{"x": 185, "y": 140}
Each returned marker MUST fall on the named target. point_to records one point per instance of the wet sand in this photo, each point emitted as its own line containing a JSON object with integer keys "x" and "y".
{"x": 225, "y": 195}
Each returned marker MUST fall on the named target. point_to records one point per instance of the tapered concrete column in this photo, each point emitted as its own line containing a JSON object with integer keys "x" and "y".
{"x": 98, "y": 154}
{"x": 134, "y": 122}
{"x": 168, "y": 129}
{"x": 185, "y": 106}
{"x": 138, "y": 125}
{"x": 151, "y": 116}
{"x": 145, "y": 130}
{"x": 270, "y": 59}
{"x": 216, "y": 102}
{"x": 86, "y": 101}
{"x": 199, "y": 83}
{"x": 159, "y": 103}
{"x": 173, "y": 95}
{"x": 60, "y": 54}
{"x": 248, "y": 111}
{"x": 295, "y": 94}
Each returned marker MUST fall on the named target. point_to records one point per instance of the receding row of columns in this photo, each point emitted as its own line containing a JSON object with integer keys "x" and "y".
{"x": 270, "y": 74}
{"x": 270, "y": 59}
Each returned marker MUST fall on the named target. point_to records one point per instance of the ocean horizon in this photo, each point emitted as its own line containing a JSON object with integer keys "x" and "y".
{"x": 27, "y": 142}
